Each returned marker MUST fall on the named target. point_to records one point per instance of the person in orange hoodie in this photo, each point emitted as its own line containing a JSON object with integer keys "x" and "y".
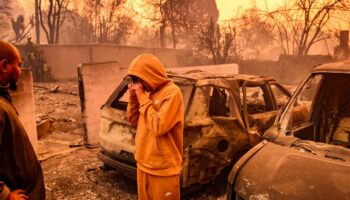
{"x": 155, "y": 108}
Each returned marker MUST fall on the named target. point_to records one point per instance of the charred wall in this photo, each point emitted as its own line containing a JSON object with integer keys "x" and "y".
{"x": 288, "y": 69}
{"x": 64, "y": 58}
{"x": 97, "y": 81}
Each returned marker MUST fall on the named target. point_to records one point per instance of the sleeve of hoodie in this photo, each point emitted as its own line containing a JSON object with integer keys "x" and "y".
{"x": 162, "y": 121}
{"x": 133, "y": 111}
{"x": 4, "y": 191}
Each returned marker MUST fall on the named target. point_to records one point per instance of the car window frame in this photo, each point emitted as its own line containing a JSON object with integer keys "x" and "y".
{"x": 283, "y": 89}
{"x": 269, "y": 93}
{"x": 232, "y": 114}
{"x": 287, "y": 110}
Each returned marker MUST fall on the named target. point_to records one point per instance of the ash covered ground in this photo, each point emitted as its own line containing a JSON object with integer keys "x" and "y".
{"x": 72, "y": 171}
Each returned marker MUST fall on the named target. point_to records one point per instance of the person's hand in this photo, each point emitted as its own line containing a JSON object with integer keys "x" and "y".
{"x": 18, "y": 195}
{"x": 138, "y": 88}
{"x": 131, "y": 90}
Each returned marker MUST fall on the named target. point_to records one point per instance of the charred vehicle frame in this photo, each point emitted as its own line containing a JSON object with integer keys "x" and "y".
{"x": 306, "y": 154}
{"x": 224, "y": 117}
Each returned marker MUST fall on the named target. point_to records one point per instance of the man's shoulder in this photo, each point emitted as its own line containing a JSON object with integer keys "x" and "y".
{"x": 6, "y": 107}
{"x": 4, "y": 104}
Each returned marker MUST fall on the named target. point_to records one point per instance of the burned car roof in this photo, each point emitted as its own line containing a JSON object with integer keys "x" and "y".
{"x": 194, "y": 76}
{"x": 341, "y": 67}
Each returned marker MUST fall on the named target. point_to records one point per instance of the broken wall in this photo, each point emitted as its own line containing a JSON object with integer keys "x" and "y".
{"x": 23, "y": 100}
{"x": 97, "y": 81}
{"x": 64, "y": 58}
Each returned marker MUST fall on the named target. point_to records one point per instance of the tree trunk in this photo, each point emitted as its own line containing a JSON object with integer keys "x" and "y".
{"x": 162, "y": 36}
{"x": 172, "y": 21}
{"x": 58, "y": 20}
{"x": 37, "y": 26}
{"x": 173, "y": 34}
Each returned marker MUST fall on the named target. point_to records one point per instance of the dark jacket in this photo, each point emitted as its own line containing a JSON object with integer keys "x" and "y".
{"x": 19, "y": 166}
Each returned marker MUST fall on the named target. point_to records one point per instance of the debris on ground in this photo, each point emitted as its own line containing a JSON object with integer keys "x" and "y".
{"x": 42, "y": 128}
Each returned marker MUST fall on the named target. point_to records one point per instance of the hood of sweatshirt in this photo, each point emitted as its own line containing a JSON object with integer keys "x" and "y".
{"x": 149, "y": 68}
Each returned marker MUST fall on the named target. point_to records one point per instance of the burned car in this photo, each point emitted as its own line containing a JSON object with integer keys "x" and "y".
{"x": 306, "y": 154}
{"x": 224, "y": 117}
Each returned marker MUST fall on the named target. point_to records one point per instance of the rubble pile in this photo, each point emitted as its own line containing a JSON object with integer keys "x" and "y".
{"x": 79, "y": 176}
{"x": 58, "y": 103}
{"x": 70, "y": 170}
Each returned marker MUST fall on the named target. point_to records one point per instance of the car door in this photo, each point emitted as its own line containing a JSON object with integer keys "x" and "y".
{"x": 259, "y": 109}
{"x": 214, "y": 132}
{"x": 298, "y": 119}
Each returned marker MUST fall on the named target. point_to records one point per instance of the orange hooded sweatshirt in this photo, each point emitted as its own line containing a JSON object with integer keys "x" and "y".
{"x": 159, "y": 118}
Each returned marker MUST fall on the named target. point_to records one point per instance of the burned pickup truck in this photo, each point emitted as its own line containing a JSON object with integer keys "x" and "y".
{"x": 224, "y": 117}
{"x": 306, "y": 154}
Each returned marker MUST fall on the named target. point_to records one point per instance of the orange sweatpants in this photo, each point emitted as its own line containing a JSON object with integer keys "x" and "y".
{"x": 151, "y": 187}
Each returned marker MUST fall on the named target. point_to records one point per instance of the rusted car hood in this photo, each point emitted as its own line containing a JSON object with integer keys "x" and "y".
{"x": 280, "y": 172}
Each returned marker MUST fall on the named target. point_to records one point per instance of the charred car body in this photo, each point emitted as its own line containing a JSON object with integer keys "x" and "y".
{"x": 306, "y": 154}
{"x": 224, "y": 117}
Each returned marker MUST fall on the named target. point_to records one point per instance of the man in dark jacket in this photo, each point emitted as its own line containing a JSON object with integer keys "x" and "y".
{"x": 21, "y": 176}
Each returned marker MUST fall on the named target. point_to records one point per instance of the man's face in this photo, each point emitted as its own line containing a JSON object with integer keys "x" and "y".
{"x": 10, "y": 72}
{"x": 14, "y": 73}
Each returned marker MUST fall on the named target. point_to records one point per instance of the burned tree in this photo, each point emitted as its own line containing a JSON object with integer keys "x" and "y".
{"x": 122, "y": 29}
{"x": 163, "y": 14}
{"x": 178, "y": 19}
{"x": 91, "y": 11}
{"x": 302, "y": 23}
{"x": 217, "y": 41}
{"x": 196, "y": 15}
{"x": 37, "y": 21}
{"x": 254, "y": 33}
{"x": 112, "y": 26}
{"x": 109, "y": 23}
{"x": 20, "y": 28}
{"x": 52, "y": 19}
{"x": 73, "y": 28}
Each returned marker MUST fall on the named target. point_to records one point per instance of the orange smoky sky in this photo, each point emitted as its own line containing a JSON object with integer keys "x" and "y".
{"x": 230, "y": 8}
{"x": 227, "y": 8}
